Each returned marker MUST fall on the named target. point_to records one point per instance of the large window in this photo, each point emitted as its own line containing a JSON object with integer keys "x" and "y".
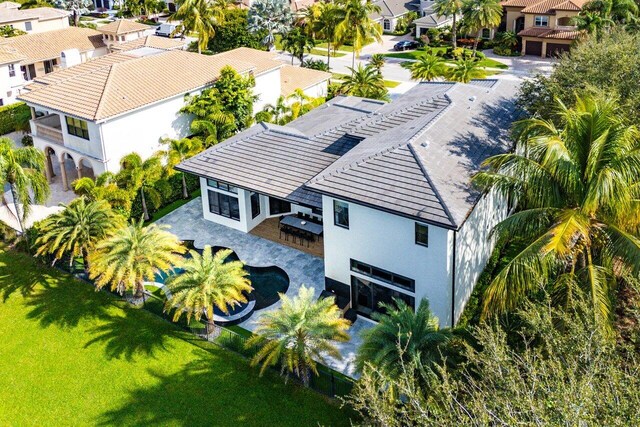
{"x": 12, "y": 70}
{"x": 255, "y": 205}
{"x": 422, "y": 235}
{"x": 367, "y": 296}
{"x": 222, "y": 186}
{"x": 541, "y": 21}
{"x": 77, "y": 128}
{"x": 383, "y": 275}
{"x": 278, "y": 206}
{"x": 48, "y": 66}
{"x": 224, "y": 205}
{"x": 341, "y": 214}
{"x": 28, "y": 26}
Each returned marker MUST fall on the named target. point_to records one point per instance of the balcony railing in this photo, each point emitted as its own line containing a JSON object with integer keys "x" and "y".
{"x": 48, "y": 127}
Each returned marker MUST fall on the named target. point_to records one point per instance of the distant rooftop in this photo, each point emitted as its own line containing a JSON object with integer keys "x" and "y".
{"x": 10, "y": 14}
{"x": 413, "y": 157}
{"x": 123, "y": 26}
{"x": 150, "y": 41}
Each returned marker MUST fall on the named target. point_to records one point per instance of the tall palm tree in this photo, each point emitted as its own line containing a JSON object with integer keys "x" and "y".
{"x": 402, "y": 337}
{"x": 377, "y": 61}
{"x": 356, "y": 24}
{"x": 479, "y": 14}
{"x": 466, "y": 70}
{"x": 138, "y": 175}
{"x": 365, "y": 82}
{"x": 77, "y": 229}
{"x": 326, "y": 24}
{"x": 301, "y": 332}
{"x": 308, "y": 19}
{"x": 296, "y": 42}
{"x": 22, "y": 169}
{"x": 104, "y": 187}
{"x": 576, "y": 187}
{"x": 428, "y": 67}
{"x": 450, "y": 8}
{"x": 592, "y": 23}
{"x": 207, "y": 282}
{"x": 202, "y": 17}
{"x": 217, "y": 127}
{"x": 273, "y": 17}
{"x": 177, "y": 152}
{"x": 134, "y": 255}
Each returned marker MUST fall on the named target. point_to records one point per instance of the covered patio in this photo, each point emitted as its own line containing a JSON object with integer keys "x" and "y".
{"x": 302, "y": 268}
{"x": 271, "y": 229}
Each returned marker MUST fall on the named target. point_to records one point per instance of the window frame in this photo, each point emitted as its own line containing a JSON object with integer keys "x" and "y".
{"x": 28, "y": 26}
{"x": 224, "y": 186}
{"x": 369, "y": 271}
{"x": 220, "y": 200}
{"x": 12, "y": 70}
{"x": 280, "y": 204}
{"x": 544, "y": 21}
{"x": 417, "y": 234}
{"x": 335, "y": 213}
{"x": 255, "y": 213}
{"x": 77, "y": 129}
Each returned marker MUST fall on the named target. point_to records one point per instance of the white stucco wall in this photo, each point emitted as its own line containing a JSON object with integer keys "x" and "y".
{"x": 388, "y": 241}
{"x": 246, "y": 223}
{"x": 317, "y": 91}
{"x": 41, "y": 26}
{"x": 9, "y": 86}
{"x": 474, "y": 246}
{"x": 267, "y": 88}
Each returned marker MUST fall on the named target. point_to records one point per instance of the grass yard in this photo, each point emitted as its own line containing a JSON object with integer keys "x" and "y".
{"x": 73, "y": 356}
{"x": 415, "y": 54}
{"x": 323, "y": 52}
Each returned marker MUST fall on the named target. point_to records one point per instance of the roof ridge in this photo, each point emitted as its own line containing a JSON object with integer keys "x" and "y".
{"x": 104, "y": 90}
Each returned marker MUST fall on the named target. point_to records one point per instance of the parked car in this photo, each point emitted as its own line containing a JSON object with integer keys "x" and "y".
{"x": 167, "y": 30}
{"x": 406, "y": 44}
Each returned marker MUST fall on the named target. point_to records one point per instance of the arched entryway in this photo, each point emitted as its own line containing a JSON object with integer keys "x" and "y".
{"x": 85, "y": 169}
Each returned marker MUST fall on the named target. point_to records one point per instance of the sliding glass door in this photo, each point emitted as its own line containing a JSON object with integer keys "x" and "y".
{"x": 367, "y": 296}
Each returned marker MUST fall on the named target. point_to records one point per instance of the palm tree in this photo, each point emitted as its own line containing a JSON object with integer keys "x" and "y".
{"x": 298, "y": 334}
{"x": 301, "y": 103}
{"x": 309, "y": 19}
{"x": 22, "y": 169}
{"x": 132, "y": 256}
{"x": 402, "y": 337}
{"x": 216, "y": 128}
{"x": 326, "y": 24}
{"x": 592, "y": 23}
{"x": 297, "y": 43}
{"x": 508, "y": 39}
{"x": 139, "y": 175}
{"x": 428, "y": 67}
{"x": 207, "y": 282}
{"x": 202, "y": 17}
{"x": 77, "y": 229}
{"x": 377, "y": 61}
{"x": 466, "y": 70}
{"x": 576, "y": 187}
{"x": 273, "y": 17}
{"x": 479, "y": 14}
{"x": 278, "y": 113}
{"x": 180, "y": 150}
{"x": 104, "y": 187}
{"x": 356, "y": 24}
{"x": 365, "y": 82}
{"x": 450, "y": 8}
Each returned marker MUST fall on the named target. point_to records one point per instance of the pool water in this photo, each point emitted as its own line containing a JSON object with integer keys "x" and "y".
{"x": 267, "y": 282}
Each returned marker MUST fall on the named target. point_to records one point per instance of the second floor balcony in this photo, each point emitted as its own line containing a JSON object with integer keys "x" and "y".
{"x": 48, "y": 127}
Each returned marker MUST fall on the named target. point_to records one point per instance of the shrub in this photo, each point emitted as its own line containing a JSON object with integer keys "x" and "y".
{"x": 175, "y": 182}
{"x": 27, "y": 141}
{"x": 316, "y": 64}
{"x": 14, "y": 117}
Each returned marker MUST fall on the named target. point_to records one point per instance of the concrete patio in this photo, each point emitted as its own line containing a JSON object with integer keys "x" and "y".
{"x": 303, "y": 269}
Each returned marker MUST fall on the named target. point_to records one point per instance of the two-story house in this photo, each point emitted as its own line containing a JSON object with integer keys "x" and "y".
{"x": 93, "y": 114}
{"x": 546, "y": 27}
{"x": 36, "y": 20}
{"x": 388, "y": 185}
{"x": 11, "y": 79}
{"x": 123, "y": 31}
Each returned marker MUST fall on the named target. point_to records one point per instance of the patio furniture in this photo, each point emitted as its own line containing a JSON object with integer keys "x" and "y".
{"x": 311, "y": 230}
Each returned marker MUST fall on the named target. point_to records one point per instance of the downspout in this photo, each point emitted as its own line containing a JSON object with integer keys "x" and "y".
{"x": 104, "y": 152}
{"x": 453, "y": 281}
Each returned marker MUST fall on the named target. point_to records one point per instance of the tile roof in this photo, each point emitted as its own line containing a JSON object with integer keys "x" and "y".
{"x": 413, "y": 157}
{"x": 549, "y": 7}
{"x": 432, "y": 20}
{"x": 547, "y": 33}
{"x": 120, "y": 82}
{"x": 123, "y": 26}
{"x": 8, "y": 15}
{"x": 9, "y": 55}
{"x": 9, "y": 5}
{"x": 48, "y": 45}
{"x": 292, "y": 78}
{"x": 261, "y": 60}
{"x": 391, "y": 8}
{"x": 519, "y": 3}
{"x": 150, "y": 41}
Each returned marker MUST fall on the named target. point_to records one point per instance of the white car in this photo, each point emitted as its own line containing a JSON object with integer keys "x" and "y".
{"x": 167, "y": 30}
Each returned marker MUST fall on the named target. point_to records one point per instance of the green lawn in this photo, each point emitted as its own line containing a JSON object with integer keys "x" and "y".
{"x": 73, "y": 356}
{"x": 323, "y": 52}
{"x": 490, "y": 63}
{"x": 387, "y": 83}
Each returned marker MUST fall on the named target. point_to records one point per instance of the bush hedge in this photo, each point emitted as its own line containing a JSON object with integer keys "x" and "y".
{"x": 14, "y": 117}
{"x": 175, "y": 182}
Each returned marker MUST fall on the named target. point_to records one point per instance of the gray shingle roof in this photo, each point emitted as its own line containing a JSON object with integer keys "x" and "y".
{"x": 393, "y": 8}
{"x": 414, "y": 157}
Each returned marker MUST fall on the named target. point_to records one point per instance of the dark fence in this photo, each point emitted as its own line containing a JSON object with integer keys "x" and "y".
{"x": 327, "y": 382}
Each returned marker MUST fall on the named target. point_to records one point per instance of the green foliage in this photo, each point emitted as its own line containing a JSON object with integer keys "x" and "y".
{"x": 270, "y": 17}
{"x": 611, "y": 65}
{"x": 405, "y": 22}
{"x": 146, "y": 177}
{"x": 316, "y": 64}
{"x": 206, "y": 282}
{"x": 479, "y": 14}
{"x": 105, "y": 187}
{"x": 14, "y": 117}
{"x": 298, "y": 334}
{"x": 231, "y": 94}
{"x": 288, "y": 109}
{"x": 174, "y": 194}
{"x": 9, "y": 31}
{"x": 557, "y": 369}
{"x": 466, "y": 70}
{"x": 575, "y": 186}
{"x": 451, "y": 8}
{"x": 356, "y": 25}
{"x": 428, "y": 67}
{"x": 201, "y": 17}
{"x": 233, "y": 33}
{"x": 366, "y": 82}
{"x": 178, "y": 151}
{"x": 297, "y": 42}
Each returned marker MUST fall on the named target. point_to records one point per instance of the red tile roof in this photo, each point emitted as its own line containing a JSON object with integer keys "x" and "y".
{"x": 547, "y": 33}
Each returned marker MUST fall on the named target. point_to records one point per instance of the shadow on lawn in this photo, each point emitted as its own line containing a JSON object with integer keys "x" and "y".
{"x": 25, "y": 281}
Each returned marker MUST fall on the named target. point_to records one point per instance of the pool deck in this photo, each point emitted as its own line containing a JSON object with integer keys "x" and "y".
{"x": 187, "y": 223}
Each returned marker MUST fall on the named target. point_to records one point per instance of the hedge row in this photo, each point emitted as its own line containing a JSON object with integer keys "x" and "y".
{"x": 175, "y": 181}
{"x": 14, "y": 117}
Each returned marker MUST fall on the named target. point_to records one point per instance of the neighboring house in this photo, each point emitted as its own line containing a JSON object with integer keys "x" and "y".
{"x": 391, "y": 184}
{"x": 430, "y": 19}
{"x": 151, "y": 41}
{"x": 545, "y": 26}
{"x": 392, "y": 10}
{"x": 97, "y": 112}
{"x": 37, "y": 20}
{"x": 122, "y": 31}
{"x": 44, "y": 53}
{"x": 11, "y": 79}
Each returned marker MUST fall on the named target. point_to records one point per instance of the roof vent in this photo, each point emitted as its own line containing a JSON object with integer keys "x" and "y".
{"x": 425, "y": 143}
{"x": 472, "y": 98}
